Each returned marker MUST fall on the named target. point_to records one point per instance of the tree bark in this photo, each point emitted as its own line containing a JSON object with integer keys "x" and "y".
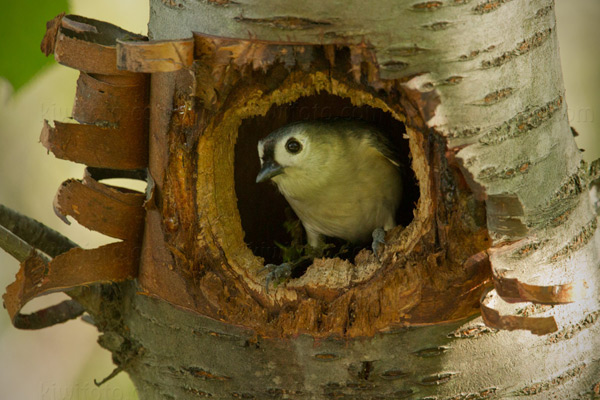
{"x": 495, "y": 67}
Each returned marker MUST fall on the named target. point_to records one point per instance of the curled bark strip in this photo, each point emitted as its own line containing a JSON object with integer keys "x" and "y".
{"x": 56, "y": 314}
{"x": 514, "y": 291}
{"x": 109, "y": 210}
{"x": 52, "y": 26}
{"x": 96, "y": 146}
{"x": 114, "y": 262}
{"x": 155, "y": 56}
{"x": 86, "y": 44}
{"x": 493, "y": 318}
{"x": 109, "y": 103}
{"x": 112, "y": 105}
{"x": 123, "y": 214}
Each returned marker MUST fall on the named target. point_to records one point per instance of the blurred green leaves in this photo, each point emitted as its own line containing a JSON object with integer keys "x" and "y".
{"x": 22, "y": 27}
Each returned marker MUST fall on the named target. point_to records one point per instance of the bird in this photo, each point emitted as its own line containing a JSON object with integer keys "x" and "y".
{"x": 341, "y": 177}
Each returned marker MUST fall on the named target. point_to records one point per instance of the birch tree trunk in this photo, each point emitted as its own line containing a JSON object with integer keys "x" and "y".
{"x": 488, "y": 78}
{"x": 495, "y": 67}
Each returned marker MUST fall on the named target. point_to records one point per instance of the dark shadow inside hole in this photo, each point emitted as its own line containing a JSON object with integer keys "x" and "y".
{"x": 262, "y": 208}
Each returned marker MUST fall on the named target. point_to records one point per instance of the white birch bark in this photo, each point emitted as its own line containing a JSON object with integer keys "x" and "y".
{"x": 495, "y": 66}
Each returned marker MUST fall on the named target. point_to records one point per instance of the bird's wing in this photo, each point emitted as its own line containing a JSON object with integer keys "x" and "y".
{"x": 383, "y": 145}
{"x": 376, "y": 140}
{"x": 361, "y": 130}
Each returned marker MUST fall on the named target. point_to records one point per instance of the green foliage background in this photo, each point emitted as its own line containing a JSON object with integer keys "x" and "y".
{"x": 22, "y": 27}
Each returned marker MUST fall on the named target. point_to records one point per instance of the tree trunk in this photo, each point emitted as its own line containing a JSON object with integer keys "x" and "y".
{"x": 499, "y": 185}
{"x": 494, "y": 66}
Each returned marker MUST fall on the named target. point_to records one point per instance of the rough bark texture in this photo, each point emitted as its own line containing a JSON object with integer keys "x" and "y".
{"x": 424, "y": 276}
{"x": 494, "y": 66}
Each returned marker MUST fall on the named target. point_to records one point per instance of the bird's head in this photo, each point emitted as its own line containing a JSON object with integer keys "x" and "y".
{"x": 286, "y": 152}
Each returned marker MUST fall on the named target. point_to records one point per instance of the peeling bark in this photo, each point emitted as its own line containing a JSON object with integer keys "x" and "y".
{"x": 503, "y": 122}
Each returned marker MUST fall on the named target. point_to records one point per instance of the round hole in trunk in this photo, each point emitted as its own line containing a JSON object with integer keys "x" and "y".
{"x": 263, "y": 210}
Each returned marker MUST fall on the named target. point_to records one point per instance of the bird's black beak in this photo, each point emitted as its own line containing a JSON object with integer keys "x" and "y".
{"x": 269, "y": 170}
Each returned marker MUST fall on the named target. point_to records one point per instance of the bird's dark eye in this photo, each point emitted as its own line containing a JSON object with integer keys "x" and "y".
{"x": 293, "y": 146}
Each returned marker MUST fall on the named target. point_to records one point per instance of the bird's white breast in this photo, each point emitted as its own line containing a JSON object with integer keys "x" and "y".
{"x": 360, "y": 193}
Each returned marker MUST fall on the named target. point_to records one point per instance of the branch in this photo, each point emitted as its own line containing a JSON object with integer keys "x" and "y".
{"x": 56, "y": 314}
{"x": 20, "y": 234}
{"x": 15, "y": 246}
{"x": 21, "y": 237}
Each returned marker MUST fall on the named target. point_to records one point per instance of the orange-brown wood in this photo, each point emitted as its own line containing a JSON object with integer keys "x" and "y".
{"x": 218, "y": 226}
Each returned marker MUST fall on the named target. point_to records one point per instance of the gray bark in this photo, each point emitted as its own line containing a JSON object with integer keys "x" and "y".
{"x": 185, "y": 356}
{"x": 496, "y": 68}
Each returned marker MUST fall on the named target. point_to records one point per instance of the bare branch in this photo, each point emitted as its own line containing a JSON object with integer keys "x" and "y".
{"x": 56, "y": 314}
{"x": 15, "y": 246}
{"x": 30, "y": 234}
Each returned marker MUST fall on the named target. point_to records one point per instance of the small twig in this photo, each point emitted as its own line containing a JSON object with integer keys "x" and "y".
{"x": 57, "y": 314}
{"x": 114, "y": 373}
{"x": 31, "y": 232}
{"x": 15, "y": 246}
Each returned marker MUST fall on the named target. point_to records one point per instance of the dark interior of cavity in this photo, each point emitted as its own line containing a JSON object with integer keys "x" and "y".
{"x": 262, "y": 208}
